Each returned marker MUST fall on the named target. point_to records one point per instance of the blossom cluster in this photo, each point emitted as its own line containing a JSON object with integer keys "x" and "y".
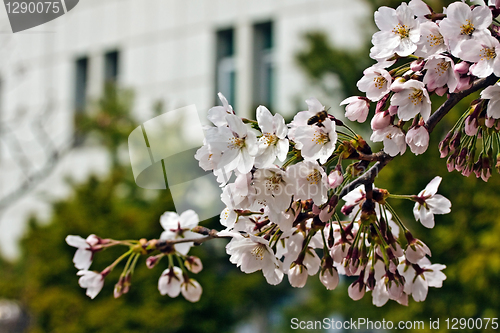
{"x": 281, "y": 187}
{"x": 420, "y": 53}
{"x": 300, "y": 199}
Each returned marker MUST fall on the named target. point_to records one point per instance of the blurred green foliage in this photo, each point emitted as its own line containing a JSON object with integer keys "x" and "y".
{"x": 45, "y": 282}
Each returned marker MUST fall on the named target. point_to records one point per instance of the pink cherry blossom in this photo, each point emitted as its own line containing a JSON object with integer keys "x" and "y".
{"x": 376, "y": 82}
{"x": 393, "y": 138}
{"x": 412, "y": 98}
{"x": 357, "y": 108}
{"x": 417, "y": 139}
{"x": 463, "y": 23}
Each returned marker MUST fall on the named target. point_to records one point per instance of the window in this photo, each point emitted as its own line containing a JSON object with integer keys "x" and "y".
{"x": 80, "y": 102}
{"x": 225, "y": 67}
{"x": 111, "y": 66}
{"x": 263, "y": 71}
{"x": 81, "y": 78}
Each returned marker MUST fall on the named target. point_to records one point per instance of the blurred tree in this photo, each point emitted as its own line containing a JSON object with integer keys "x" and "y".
{"x": 45, "y": 281}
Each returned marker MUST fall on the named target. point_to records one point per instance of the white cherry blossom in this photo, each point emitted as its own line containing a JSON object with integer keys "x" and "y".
{"x": 316, "y": 142}
{"x": 238, "y": 145}
{"x": 217, "y": 114}
{"x": 440, "y": 72}
{"x": 271, "y": 185}
{"x": 431, "y": 41}
{"x": 310, "y": 181}
{"x": 179, "y": 227}
{"x": 412, "y": 98}
{"x": 417, "y": 139}
{"x": 417, "y": 282}
{"x": 301, "y": 118}
{"x": 273, "y": 142}
{"x": 170, "y": 282}
{"x": 393, "y": 138}
{"x": 252, "y": 254}
{"x": 83, "y": 255}
{"x": 429, "y": 203}
{"x": 399, "y": 32}
{"x": 483, "y": 51}
{"x": 92, "y": 281}
{"x": 463, "y": 23}
{"x": 492, "y": 93}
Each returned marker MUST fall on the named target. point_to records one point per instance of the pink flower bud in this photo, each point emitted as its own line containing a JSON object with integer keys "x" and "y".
{"x": 335, "y": 178}
{"x": 471, "y": 126}
{"x": 393, "y": 110}
{"x": 441, "y": 91}
{"x": 464, "y": 83}
{"x": 153, "y": 260}
{"x": 489, "y": 122}
{"x": 462, "y": 68}
{"x": 417, "y": 65}
{"x": 193, "y": 264}
{"x": 418, "y": 139}
{"x": 380, "y": 120}
{"x": 357, "y": 108}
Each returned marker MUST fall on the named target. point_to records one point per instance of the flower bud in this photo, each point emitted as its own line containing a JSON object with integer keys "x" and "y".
{"x": 330, "y": 278}
{"x": 417, "y": 65}
{"x": 356, "y": 290}
{"x": 193, "y": 264}
{"x": 380, "y": 120}
{"x": 153, "y": 260}
{"x": 464, "y": 83}
{"x": 440, "y": 91}
{"x": 297, "y": 275}
{"x": 462, "y": 68}
{"x": 191, "y": 290}
{"x": 335, "y": 178}
{"x": 489, "y": 122}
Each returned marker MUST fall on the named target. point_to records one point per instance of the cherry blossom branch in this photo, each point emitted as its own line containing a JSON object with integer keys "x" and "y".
{"x": 164, "y": 245}
{"x": 455, "y": 98}
{"x": 383, "y": 159}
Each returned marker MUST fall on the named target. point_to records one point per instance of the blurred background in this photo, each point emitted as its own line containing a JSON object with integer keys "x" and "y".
{"x": 72, "y": 90}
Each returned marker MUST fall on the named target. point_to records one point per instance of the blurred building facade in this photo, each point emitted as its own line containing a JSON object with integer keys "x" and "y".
{"x": 178, "y": 52}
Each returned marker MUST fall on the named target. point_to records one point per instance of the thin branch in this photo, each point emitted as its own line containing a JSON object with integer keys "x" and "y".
{"x": 455, "y": 98}
{"x": 208, "y": 235}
